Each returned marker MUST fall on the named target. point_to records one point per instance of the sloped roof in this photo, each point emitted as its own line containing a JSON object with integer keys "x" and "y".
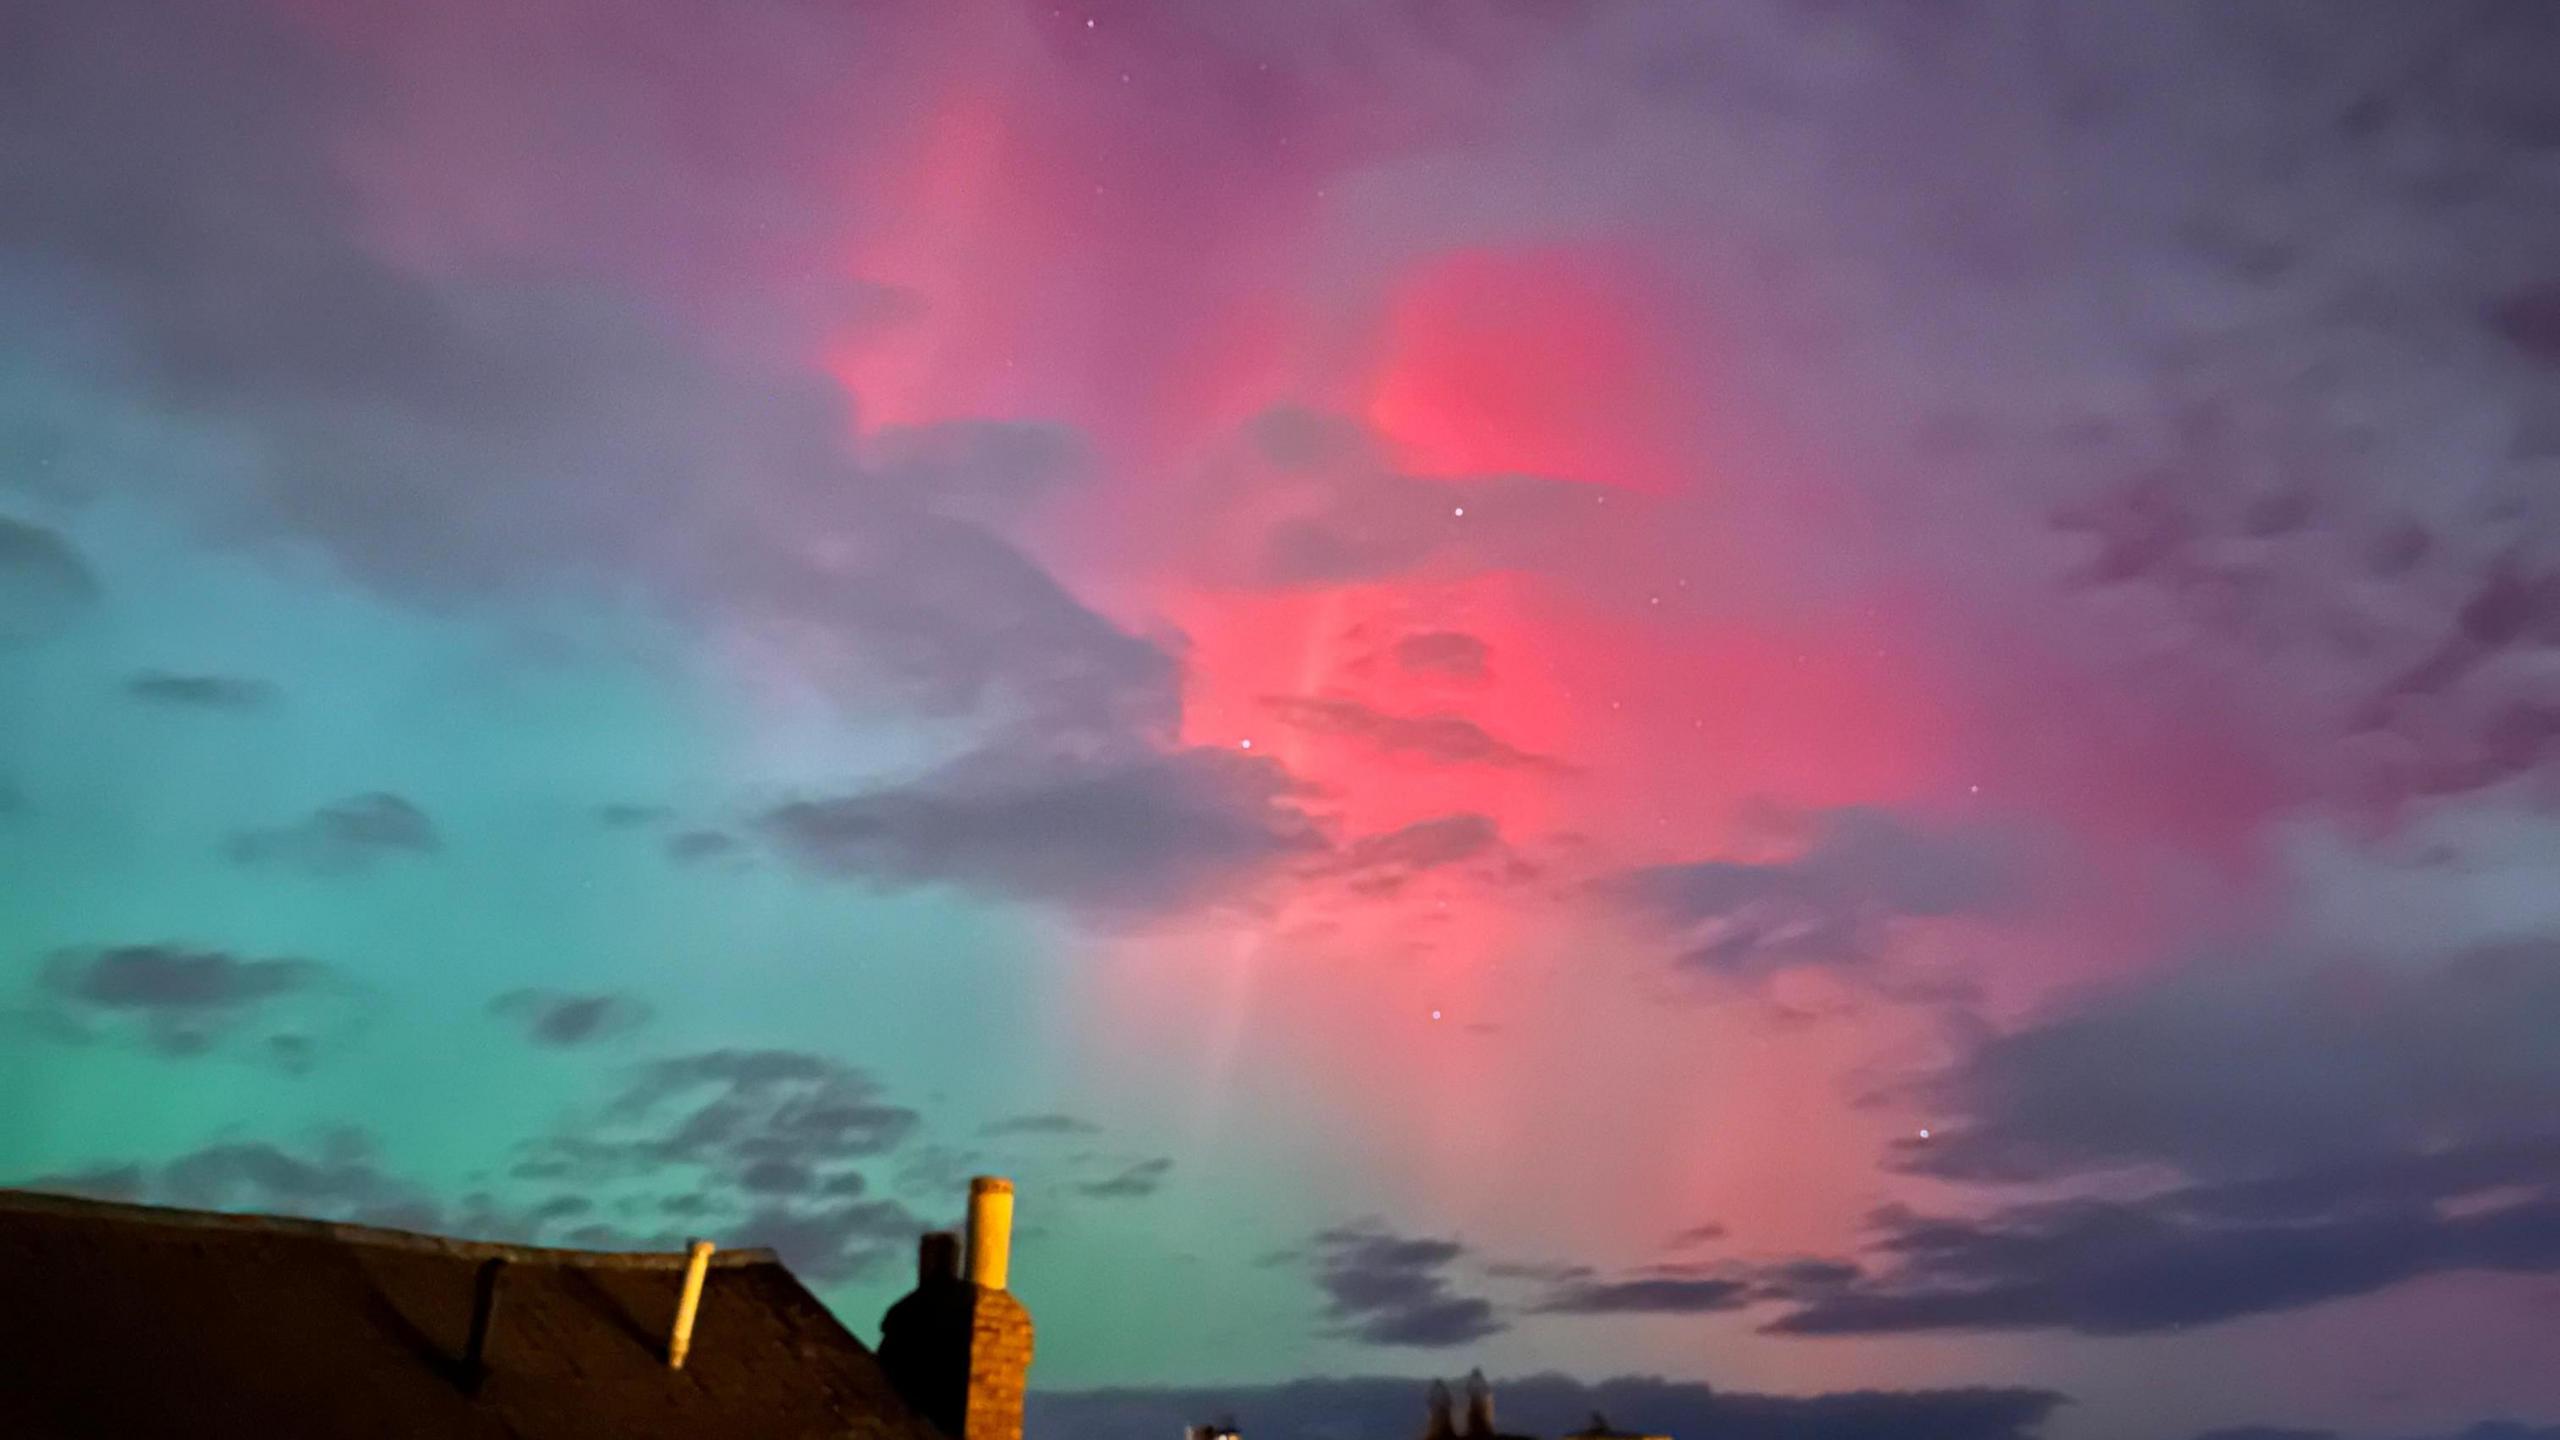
{"x": 137, "y": 1321}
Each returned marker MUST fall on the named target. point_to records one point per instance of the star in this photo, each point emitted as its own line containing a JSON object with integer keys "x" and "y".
{"x": 1244, "y": 744}
{"x": 1459, "y": 511}
{"x": 1435, "y": 1014}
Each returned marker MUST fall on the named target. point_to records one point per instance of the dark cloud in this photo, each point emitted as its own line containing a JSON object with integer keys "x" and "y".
{"x": 1391, "y": 1409}
{"x": 346, "y": 837}
{"x": 1385, "y": 862}
{"x": 1655, "y": 1295}
{"x": 123, "y": 1183}
{"x": 725, "y": 1110}
{"x": 1803, "y": 1277}
{"x": 1046, "y": 1123}
{"x": 1389, "y": 1289}
{"x": 181, "y": 1000}
{"x": 2484, "y": 1430}
{"x": 820, "y": 1230}
{"x": 155, "y": 978}
{"x": 777, "y": 1177}
{"x": 754, "y": 1145}
{"x": 623, "y": 815}
{"x": 1696, "y": 1235}
{"x": 690, "y": 846}
{"x": 557, "y": 1019}
{"x": 44, "y": 584}
{"x": 1546, "y": 1272}
{"x": 2529, "y": 319}
{"x": 1446, "y": 653}
{"x": 1312, "y": 500}
{"x": 1862, "y": 869}
{"x": 204, "y": 692}
{"x": 1139, "y": 1178}
{"x": 763, "y": 1141}
{"x": 1135, "y": 832}
{"x": 834, "y": 1239}
{"x": 2346, "y": 1125}
{"x": 754, "y": 1101}
{"x": 1443, "y": 739}
{"x": 2196, "y": 1255}
{"x": 1425, "y": 844}
{"x": 2241, "y": 1067}
{"x": 341, "y": 1176}
{"x": 341, "y": 1179}
{"x": 985, "y": 471}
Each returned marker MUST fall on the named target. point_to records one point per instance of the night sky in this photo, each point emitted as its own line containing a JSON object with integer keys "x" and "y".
{"x": 1817, "y": 697}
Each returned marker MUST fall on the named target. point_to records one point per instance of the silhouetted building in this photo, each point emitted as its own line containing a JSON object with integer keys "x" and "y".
{"x": 958, "y": 1347}
{"x": 1601, "y": 1429}
{"x": 1440, "y": 1424}
{"x": 138, "y": 1321}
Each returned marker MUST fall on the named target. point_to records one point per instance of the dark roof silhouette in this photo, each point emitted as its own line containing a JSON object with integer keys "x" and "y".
{"x": 1601, "y": 1429}
{"x": 132, "y": 1320}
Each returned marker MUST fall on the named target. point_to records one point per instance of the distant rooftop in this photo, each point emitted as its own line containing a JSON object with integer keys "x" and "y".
{"x": 133, "y": 1320}
{"x": 1600, "y": 1429}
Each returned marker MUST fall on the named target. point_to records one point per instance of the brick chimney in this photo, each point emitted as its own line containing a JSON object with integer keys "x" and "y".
{"x": 959, "y": 1347}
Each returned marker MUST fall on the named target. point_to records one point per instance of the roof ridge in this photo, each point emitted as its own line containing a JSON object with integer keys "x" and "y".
{"x": 126, "y": 1212}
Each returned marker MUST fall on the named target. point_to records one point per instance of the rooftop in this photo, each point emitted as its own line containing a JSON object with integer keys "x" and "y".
{"x": 136, "y": 1320}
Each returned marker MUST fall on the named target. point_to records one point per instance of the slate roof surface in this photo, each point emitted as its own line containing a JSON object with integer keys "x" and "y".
{"x": 137, "y": 1321}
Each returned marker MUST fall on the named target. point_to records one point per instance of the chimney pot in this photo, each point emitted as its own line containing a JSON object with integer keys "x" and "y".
{"x": 990, "y": 1231}
{"x": 937, "y": 1259}
{"x": 697, "y": 1265}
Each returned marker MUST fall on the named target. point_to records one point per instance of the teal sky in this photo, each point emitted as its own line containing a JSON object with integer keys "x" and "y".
{"x": 512, "y": 729}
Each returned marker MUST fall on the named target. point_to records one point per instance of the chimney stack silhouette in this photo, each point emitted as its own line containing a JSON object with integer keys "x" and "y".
{"x": 1479, "y": 1408}
{"x": 1436, "y": 1423}
{"x": 959, "y": 1347}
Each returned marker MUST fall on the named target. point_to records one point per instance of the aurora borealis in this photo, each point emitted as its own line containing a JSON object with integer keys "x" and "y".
{"x": 1814, "y": 696}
